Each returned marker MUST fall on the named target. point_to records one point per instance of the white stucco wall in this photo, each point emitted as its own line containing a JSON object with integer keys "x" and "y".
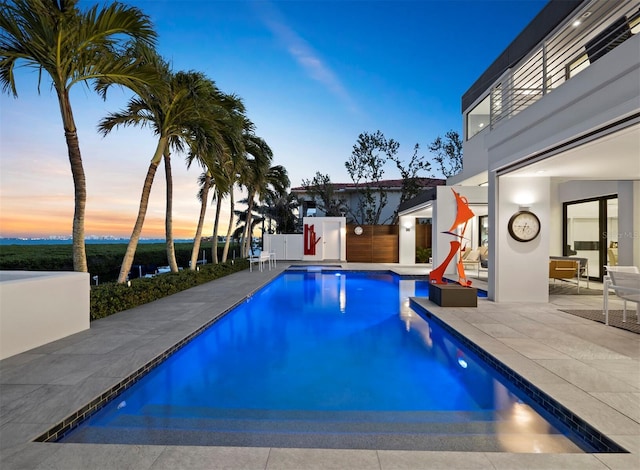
{"x": 407, "y": 236}
{"x": 636, "y": 223}
{"x": 519, "y": 271}
{"x": 331, "y": 231}
{"x": 39, "y": 307}
{"x": 285, "y": 246}
{"x": 628, "y": 223}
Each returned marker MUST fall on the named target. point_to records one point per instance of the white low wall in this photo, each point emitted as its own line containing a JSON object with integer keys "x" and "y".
{"x": 39, "y": 307}
{"x": 285, "y": 246}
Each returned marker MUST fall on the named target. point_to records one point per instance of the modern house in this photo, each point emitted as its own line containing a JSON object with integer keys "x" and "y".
{"x": 350, "y": 196}
{"x": 551, "y": 128}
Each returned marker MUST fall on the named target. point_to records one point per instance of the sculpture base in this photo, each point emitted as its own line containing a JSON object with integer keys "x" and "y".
{"x": 453, "y": 295}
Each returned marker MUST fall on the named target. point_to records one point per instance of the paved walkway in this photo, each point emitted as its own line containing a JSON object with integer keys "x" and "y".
{"x": 592, "y": 369}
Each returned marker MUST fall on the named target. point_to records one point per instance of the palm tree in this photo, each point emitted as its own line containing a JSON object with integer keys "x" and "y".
{"x": 281, "y": 211}
{"x": 225, "y": 251}
{"x": 272, "y": 185}
{"x": 235, "y": 174}
{"x": 254, "y": 177}
{"x": 276, "y": 186}
{"x": 202, "y": 133}
{"x": 241, "y": 227}
{"x": 170, "y": 108}
{"x": 72, "y": 46}
{"x": 226, "y": 115}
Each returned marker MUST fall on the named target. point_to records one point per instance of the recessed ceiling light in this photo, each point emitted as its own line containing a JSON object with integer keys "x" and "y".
{"x": 576, "y": 23}
{"x": 481, "y": 124}
{"x": 586, "y": 14}
{"x": 540, "y": 171}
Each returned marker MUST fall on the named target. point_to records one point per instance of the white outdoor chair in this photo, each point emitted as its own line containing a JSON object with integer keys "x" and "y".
{"x": 472, "y": 257}
{"x": 625, "y": 282}
{"x": 260, "y": 259}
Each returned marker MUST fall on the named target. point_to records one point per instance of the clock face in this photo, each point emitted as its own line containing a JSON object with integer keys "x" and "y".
{"x": 524, "y": 226}
{"x": 358, "y": 230}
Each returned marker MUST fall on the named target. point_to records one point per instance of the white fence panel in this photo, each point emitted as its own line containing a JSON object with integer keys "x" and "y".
{"x": 285, "y": 246}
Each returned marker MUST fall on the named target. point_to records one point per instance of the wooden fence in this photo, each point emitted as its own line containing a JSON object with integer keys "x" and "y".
{"x": 376, "y": 244}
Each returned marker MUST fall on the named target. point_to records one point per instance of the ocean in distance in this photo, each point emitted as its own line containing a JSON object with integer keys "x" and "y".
{"x": 88, "y": 241}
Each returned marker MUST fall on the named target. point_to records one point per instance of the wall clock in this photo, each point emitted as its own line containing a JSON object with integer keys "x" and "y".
{"x": 358, "y": 230}
{"x": 524, "y": 226}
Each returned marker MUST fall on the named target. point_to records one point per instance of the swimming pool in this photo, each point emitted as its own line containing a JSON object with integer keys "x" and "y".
{"x": 326, "y": 359}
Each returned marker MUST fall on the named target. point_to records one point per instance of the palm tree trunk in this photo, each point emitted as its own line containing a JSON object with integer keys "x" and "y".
{"x": 79, "y": 182}
{"x": 247, "y": 238}
{"x": 168, "y": 219}
{"x": 225, "y": 252}
{"x": 142, "y": 211}
{"x": 216, "y": 228}
{"x": 203, "y": 212}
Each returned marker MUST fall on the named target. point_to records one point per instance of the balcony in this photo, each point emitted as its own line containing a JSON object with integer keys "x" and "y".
{"x": 589, "y": 34}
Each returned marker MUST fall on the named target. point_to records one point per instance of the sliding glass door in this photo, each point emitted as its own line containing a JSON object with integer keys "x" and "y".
{"x": 590, "y": 231}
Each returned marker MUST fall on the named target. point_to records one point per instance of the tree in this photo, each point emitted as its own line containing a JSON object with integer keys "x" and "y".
{"x": 225, "y": 127}
{"x": 72, "y": 46}
{"x": 171, "y": 108}
{"x": 254, "y": 178}
{"x": 323, "y": 193}
{"x": 235, "y": 173}
{"x": 281, "y": 211}
{"x": 241, "y": 227}
{"x": 410, "y": 179}
{"x": 448, "y": 153}
{"x": 365, "y": 167}
{"x": 274, "y": 184}
{"x": 275, "y": 191}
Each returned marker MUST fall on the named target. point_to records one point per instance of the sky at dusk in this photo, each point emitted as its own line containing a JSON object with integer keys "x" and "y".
{"x": 313, "y": 76}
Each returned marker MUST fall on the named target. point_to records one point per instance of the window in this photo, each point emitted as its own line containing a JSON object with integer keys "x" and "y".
{"x": 483, "y": 233}
{"x": 478, "y": 117}
{"x": 590, "y": 229}
{"x": 607, "y": 40}
{"x": 577, "y": 66}
{"x": 611, "y": 37}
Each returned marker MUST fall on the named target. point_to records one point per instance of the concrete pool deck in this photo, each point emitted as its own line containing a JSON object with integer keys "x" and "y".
{"x": 592, "y": 369}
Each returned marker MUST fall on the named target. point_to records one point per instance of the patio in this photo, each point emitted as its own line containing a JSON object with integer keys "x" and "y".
{"x": 592, "y": 369}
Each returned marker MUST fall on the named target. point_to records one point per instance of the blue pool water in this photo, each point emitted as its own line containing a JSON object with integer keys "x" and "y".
{"x": 325, "y": 359}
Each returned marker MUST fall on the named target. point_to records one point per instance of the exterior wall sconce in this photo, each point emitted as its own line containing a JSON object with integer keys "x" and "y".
{"x": 407, "y": 226}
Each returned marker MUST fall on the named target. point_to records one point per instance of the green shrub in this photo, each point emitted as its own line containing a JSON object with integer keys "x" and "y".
{"x": 110, "y": 298}
{"x": 423, "y": 254}
{"x": 103, "y": 260}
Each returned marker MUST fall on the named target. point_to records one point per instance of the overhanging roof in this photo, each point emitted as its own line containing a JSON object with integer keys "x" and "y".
{"x": 383, "y": 184}
{"x": 422, "y": 198}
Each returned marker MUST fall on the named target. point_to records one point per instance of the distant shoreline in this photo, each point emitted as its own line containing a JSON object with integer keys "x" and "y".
{"x": 89, "y": 241}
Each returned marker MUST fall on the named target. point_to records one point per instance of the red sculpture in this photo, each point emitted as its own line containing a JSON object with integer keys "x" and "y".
{"x": 464, "y": 214}
{"x": 310, "y": 240}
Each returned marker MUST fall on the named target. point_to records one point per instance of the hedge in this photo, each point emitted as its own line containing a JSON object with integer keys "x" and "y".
{"x": 110, "y": 298}
{"x": 103, "y": 259}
